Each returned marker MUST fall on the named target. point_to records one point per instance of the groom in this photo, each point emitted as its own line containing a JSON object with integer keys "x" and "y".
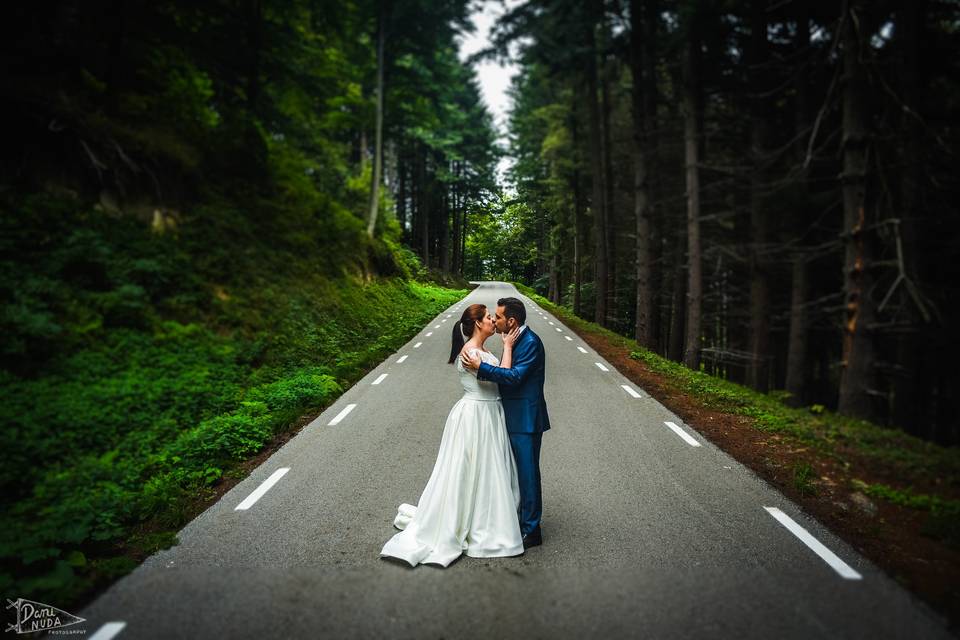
{"x": 521, "y": 390}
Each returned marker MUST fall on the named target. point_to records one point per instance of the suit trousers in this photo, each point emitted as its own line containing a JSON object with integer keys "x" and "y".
{"x": 526, "y": 452}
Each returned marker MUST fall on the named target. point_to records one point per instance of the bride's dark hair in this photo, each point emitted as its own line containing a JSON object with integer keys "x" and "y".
{"x": 468, "y": 322}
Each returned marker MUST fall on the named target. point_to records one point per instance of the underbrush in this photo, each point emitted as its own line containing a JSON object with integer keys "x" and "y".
{"x": 140, "y": 369}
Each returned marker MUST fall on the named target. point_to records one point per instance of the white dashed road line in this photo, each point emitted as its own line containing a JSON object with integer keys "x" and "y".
{"x": 343, "y": 414}
{"x": 429, "y": 334}
{"x": 838, "y": 565}
{"x": 683, "y": 434}
{"x": 417, "y": 346}
{"x": 568, "y": 338}
{"x": 262, "y": 489}
{"x": 380, "y": 378}
{"x": 630, "y": 390}
{"x": 108, "y": 631}
{"x": 402, "y": 358}
{"x": 582, "y": 350}
{"x": 601, "y": 367}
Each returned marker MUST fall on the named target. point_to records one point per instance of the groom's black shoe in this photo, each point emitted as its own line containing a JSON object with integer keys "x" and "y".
{"x": 532, "y": 539}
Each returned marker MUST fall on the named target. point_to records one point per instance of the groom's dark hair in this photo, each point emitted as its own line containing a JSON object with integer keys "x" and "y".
{"x": 513, "y": 308}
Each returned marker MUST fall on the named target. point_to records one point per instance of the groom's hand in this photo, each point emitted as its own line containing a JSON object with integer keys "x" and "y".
{"x": 471, "y": 362}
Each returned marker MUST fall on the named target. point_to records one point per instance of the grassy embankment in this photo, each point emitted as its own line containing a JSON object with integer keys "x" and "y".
{"x": 915, "y": 474}
{"x": 142, "y": 368}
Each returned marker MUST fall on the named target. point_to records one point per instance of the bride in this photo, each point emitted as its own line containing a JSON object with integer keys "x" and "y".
{"x": 470, "y": 502}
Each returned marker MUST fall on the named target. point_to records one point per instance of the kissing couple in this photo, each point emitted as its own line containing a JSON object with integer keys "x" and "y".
{"x": 483, "y": 497}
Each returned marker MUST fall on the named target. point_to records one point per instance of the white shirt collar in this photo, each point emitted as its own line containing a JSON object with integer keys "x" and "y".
{"x": 522, "y": 327}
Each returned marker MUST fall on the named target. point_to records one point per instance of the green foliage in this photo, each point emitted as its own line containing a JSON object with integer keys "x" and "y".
{"x": 515, "y": 239}
{"x": 187, "y": 92}
{"x": 132, "y": 384}
{"x": 802, "y": 482}
{"x": 903, "y": 453}
{"x": 943, "y": 521}
{"x": 499, "y": 244}
{"x": 185, "y": 264}
{"x": 903, "y": 497}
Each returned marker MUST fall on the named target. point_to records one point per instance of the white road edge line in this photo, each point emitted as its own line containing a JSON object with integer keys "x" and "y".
{"x": 683, "y": 434}
{"x": 417, "y": 346}
{"x": 380, "y": 378}
{"x": 343, "y": 414}
{"x": 601, "y": 367}
{"x": 262, "y": 489}
{"x": 582, "y": 350}
{"x": 108, "y": 630}
{"x": 402, "y": 358}
{"x": 630, "y": 390}
{"x": 838, "y": 565}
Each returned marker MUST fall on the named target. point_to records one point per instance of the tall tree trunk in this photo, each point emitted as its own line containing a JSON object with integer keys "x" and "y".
{"x": 578, "y": 242}
{"x": 425, "y": 205}
{"x": 757, "y": 370}
{"x": 609, "y": 214}
{"x": 578, "y": 239}
{"x": 641, "y": 33}
{"x": 597, "y": 205}
{"x": 378, "y": 135}
{"x": 553, "y": 293}
{"x": 908, "y": 411}
{"x": 796, "y": 377}
{"x": 455, "y": 210}
{"x": 113, "y": 60}
{"x": 857, "y": 375}
{"x": 402, "y": 168}
{"x": 678, "y": 306}
{"x": 255, "y": 44}
{"x": 463, "y": 240}
{"x": 797, "y": 344}
{"x": 691, "y": 135}
{"x": 416, "y": 195}
{"x": 444, "y": 232}
{"x": 650, "y": 100}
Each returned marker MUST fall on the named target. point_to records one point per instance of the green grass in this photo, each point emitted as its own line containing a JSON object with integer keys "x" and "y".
{"x": 943, "y": 521}
{"x": 134, "y": 429}
{"x": 802, "y": 482}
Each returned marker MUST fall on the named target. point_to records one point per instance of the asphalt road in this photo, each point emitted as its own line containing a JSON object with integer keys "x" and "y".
{"x": 645, "y": 535}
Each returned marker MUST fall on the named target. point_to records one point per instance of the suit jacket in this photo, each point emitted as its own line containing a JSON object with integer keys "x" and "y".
{"x": 521, "y": 386}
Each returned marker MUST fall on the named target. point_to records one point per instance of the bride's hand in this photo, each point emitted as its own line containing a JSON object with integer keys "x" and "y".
{"x": 510, "y": 338}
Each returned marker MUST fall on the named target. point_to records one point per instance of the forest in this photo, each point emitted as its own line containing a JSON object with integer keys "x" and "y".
{"x": 216, "y": 216}
{"x": 195, "y": 251}
{"x": 766, "y": 190}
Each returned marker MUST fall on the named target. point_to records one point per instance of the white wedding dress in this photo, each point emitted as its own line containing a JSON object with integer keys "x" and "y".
{"x": 470, "y": 502}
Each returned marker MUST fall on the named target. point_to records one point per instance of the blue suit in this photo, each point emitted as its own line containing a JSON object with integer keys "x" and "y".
{"x": 521, "y": 391}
